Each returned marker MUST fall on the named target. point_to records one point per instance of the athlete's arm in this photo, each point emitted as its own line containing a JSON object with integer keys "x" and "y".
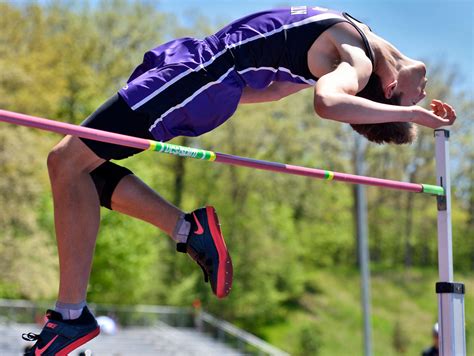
{"x": 274, "y": 92}
{"x": 335, "y": 99}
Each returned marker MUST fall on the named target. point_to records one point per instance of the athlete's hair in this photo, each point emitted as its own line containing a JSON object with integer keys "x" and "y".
{"x": 392, "y": 132}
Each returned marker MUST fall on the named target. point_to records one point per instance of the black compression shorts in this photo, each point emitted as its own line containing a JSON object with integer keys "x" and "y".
{"x": 116, "y": 116}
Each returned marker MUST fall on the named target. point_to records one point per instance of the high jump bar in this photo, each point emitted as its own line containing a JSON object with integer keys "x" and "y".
{"x": 145, "y": 144}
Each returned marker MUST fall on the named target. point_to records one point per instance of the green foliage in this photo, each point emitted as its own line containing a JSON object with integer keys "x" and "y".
{"x": 309, "y": 340}
{"x": 22, "y": 241}
{"x": 125, "y": 270}
{"x": 403, "y": 309}
{"x": 400, "y": 338}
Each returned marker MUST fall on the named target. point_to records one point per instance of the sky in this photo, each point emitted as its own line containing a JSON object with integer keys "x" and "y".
{"x": 430, "y": 30}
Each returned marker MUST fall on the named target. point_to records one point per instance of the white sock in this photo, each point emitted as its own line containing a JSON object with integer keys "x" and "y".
{"x": 181, "y": 230}
{"x": 70, "y": 311}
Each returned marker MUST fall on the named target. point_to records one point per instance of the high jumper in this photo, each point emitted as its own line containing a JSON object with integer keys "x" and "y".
{"x": 189, "y": 86}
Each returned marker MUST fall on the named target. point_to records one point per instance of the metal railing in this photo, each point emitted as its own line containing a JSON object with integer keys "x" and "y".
{"x": 22, "y": 311}
{"x": 238, "y": 338}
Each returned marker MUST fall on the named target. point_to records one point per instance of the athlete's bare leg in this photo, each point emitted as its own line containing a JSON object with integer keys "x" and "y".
{"x": 134, "y": 198}
{"x": 77, "y": 212}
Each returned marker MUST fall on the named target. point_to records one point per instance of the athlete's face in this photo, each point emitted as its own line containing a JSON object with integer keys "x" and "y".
{"x": 411, "y": 84}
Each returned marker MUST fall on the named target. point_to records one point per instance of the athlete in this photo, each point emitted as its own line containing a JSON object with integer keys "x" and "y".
{"x": 189, "y": 86}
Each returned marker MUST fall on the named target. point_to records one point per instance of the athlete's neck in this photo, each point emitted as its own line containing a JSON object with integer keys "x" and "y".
{"x": 389, "y": 61}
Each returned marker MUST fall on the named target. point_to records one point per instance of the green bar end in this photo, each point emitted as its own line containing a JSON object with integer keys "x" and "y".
{"x": 432, "y": 189}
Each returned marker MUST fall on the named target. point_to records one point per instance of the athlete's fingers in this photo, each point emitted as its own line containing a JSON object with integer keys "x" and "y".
{"x": 442, "y": 112}
{"x": 438, "y": 110}
{"x": 436, "y": 105}
{"x": 451, "y": 113}
{"x": 448, "y": 107}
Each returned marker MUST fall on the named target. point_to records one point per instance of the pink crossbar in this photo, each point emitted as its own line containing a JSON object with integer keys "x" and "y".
{"x": 316, "y": 173}
{"x": 144, "y": 144}
{"x": 74, "y": 130}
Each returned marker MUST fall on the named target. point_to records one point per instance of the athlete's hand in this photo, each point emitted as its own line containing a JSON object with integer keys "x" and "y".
{"x": 443, "y": 110}
{"x": 441, "y": 114}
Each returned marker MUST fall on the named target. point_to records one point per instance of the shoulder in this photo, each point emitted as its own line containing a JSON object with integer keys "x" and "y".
{"x": 344, "y": 32}
{"x": 347, "y": 40}
{"x": 340, "y": 43}
{"x": 350, "y": 48}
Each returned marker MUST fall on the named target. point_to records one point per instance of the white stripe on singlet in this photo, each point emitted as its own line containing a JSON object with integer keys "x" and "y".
{"x": 281, "y": 69}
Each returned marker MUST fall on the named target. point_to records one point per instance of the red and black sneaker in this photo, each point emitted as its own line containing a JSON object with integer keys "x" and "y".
{"x": 59, "y": 337}
{"x": 207, "y": 247}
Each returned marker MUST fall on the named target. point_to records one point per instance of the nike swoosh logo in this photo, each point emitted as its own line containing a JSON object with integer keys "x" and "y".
{"x": 39, "y": 352}
{"x": 199, "y": 230}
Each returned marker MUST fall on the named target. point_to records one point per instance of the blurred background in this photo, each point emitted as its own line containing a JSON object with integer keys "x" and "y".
{"x": 292, "y": 239}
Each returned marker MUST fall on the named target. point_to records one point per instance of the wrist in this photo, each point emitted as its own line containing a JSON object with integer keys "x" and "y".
{"x": 412, "y": 113}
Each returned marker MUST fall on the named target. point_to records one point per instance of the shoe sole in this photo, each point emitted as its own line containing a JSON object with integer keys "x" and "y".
{"x": 78, "y": 342}
{"x": 225, "y": 270}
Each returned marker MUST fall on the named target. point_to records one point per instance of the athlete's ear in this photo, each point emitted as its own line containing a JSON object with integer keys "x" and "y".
{"x": 389, "y": 90}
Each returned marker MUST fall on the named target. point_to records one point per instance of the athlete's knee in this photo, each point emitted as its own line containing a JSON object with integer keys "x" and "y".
{"x": 71, "y": 157}
{"x": 56, "y": 161}
{"x": 106, "y": 177}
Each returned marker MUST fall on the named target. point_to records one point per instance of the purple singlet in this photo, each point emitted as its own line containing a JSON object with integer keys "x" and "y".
{"x": 188, "y": 86}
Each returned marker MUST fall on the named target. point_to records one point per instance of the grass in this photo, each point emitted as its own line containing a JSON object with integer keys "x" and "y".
{"x": 403, "y": 311}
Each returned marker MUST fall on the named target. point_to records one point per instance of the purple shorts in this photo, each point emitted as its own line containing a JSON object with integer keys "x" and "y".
{"x": 186, "y": 87}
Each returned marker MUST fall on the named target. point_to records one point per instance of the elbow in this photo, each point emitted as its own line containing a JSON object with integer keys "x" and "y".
{"x": 322, "y": 106}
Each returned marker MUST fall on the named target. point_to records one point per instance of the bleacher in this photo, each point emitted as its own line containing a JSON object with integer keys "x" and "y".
{"x": 143, "y": 330}
{"x": 158, "y": 340}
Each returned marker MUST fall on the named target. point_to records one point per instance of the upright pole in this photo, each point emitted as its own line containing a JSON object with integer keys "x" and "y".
{"x": 450, "y": 294}
{"x": 362, "y": 238}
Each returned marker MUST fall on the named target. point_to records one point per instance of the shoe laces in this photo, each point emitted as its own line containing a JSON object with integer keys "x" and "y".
{"x": 30, "y": 337}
